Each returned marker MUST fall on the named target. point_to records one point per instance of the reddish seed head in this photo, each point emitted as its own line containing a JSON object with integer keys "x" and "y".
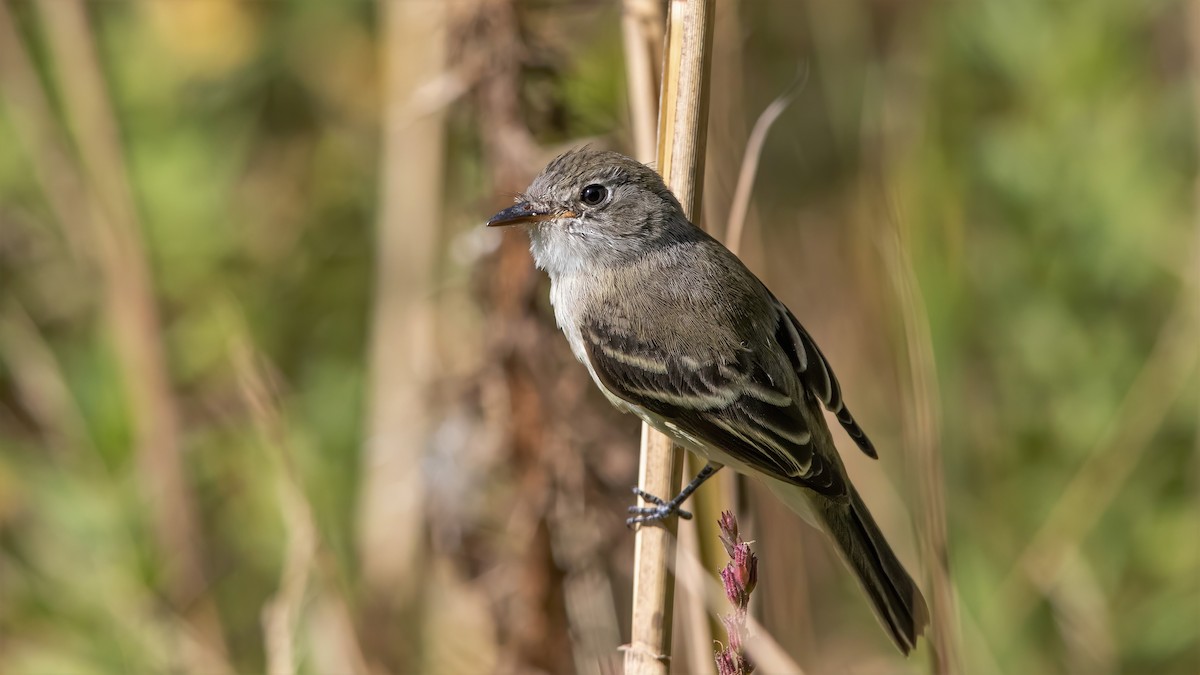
{"x": 727, "y": 663}
{"x": 745, "y": 564}
{"x": 729, "y": 531}
{"x": 739, "y": 578}
{"x": 733, "y": 629}
{"x": 734, "y": 589}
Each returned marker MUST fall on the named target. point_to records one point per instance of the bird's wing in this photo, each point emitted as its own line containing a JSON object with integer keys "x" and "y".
{"x": 815, "y": 373}
{"x": 731, "y": 403}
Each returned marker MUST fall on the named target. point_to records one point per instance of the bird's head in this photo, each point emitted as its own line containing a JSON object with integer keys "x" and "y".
{"x": 590, "y": 206}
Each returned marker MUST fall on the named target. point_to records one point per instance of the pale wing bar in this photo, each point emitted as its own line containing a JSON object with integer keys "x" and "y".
{"x": 733, "y": 406}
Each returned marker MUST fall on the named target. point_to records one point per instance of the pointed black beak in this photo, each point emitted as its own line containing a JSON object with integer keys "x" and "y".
{"x": 522, "y": 213}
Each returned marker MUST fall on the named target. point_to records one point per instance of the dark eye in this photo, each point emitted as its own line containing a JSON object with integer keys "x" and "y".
{"x": 593, "y": 194}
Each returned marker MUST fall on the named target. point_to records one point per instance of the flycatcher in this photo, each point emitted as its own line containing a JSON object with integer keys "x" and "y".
{"x": 674, "y": 328}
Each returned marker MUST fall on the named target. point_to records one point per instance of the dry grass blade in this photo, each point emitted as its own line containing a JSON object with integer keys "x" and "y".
{"x": 40, "y": 381}
{"x": 740, "y": 206}
{"x": 282, "y": 614}
{"x": 923, "y": 436}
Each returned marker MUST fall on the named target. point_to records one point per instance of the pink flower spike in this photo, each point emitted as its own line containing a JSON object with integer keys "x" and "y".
{"x": 729, "y": 531}
{"x": 733, "y": 629}
{"x": 734, "y": 590}
{"x": 745, "y": 564}
{"x": 727, "y": 663}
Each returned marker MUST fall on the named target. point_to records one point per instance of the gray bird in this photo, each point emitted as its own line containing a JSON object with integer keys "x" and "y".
{"x": 674, "y": 328}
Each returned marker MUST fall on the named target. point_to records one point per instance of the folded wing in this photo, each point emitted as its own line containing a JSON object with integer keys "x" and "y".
{"x": 730, "y": 402}
{"x": 814, "y": 371}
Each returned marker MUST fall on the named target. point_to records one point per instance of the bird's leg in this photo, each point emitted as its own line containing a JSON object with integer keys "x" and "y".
{"x": 664, "y": 509}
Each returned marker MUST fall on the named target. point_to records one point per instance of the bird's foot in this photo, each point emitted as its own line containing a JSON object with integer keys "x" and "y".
{"x": 643, "y": 515}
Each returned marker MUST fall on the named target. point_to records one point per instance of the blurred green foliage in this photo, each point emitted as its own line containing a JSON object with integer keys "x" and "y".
{"x": 1045, "y": 175}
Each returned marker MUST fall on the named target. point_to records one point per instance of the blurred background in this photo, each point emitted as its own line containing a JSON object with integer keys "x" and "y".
{"x": 271, "y": 399}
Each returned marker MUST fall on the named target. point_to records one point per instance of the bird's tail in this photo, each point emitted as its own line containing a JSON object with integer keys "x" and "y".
{"x": 894, "y": 596}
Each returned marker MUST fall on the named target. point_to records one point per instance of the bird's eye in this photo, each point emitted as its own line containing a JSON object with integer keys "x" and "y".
{"x": 593, "y": 194}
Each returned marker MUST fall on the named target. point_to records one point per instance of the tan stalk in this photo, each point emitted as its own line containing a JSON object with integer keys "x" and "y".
{"x": 641, "y": 27}
{"x": 727, "y": 129}
{"x": 391, "y": 525}
{"x": 683, "y": 121}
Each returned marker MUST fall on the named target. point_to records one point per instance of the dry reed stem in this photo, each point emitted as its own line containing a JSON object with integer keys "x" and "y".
{"x": 683, "y": 122}
{"x": 727, "y": 141}
{"x": 683, "y": 108}
{"x": 649, "y": 649}
{"x": 695, "y": 628}
{"x": 641, "y": 29}
{"x": 922, "y": 430}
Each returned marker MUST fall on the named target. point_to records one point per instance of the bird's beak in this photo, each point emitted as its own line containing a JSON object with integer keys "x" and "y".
{"x": 524, "y": 212}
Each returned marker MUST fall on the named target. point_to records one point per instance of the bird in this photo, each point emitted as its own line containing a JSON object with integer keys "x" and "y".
{"x": 674, "y": 328}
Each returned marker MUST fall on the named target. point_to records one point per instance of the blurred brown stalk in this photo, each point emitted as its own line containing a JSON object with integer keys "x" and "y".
{"x": 392, "y": 521}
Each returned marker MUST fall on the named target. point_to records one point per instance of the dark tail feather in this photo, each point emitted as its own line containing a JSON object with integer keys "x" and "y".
{"x": 894, "y": 596}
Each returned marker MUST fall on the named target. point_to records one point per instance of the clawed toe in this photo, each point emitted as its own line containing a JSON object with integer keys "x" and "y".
{"x": 652, "y": 514}
{"x": 648, "y": 497}
{"x": 665, "y": 509}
